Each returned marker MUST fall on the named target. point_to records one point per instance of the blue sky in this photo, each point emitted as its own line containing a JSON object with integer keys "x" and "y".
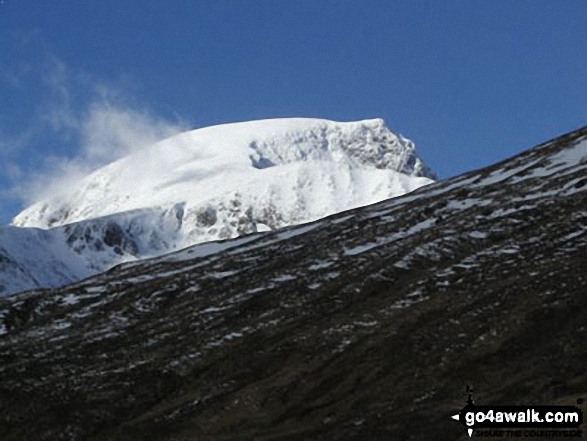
{"x": 471, "y": 82}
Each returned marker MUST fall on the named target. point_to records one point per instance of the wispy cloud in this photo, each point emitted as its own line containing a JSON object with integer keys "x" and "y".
{"x": 99, "y": 120}
{"x": 58, "y": 109}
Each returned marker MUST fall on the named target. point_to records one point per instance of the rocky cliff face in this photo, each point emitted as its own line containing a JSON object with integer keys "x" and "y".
{"x": 368, "y": 324}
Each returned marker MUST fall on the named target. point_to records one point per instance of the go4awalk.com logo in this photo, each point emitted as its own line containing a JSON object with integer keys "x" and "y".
{"x": 526, "y": 421}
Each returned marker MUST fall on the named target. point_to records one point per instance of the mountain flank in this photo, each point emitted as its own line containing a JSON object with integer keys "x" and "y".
{"x": 368, "y": 324}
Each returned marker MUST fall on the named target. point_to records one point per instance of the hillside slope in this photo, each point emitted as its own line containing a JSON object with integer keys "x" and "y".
{"x": 365, "y": 325}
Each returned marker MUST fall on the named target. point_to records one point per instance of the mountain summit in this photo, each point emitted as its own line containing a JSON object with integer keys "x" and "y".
{"x": 299, "y": 169}
{"x": 213, "y": 183}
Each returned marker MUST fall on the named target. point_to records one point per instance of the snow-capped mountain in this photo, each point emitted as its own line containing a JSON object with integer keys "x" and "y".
{"x": 374, "y": 334}
{"x": 302, "y": 169}
{"x": 208, "y": 184}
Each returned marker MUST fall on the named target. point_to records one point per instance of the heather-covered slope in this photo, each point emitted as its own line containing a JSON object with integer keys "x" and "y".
{"x": 365, "y": 325}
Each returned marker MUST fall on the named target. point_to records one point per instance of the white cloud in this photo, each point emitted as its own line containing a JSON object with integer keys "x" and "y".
{"x": 58, "y": 109}
{"x": 93, "y": 116}
{"x": 109, "y": 132}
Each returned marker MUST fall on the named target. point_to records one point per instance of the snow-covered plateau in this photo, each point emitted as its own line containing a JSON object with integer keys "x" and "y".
{"x": 208, "y": 184}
